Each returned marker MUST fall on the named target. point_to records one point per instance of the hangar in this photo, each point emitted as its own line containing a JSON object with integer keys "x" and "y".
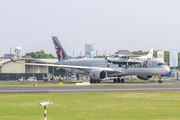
{"x": 10, "y": 70}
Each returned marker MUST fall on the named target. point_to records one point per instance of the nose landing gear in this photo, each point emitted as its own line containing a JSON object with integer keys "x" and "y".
{"x": 159, "y": 81}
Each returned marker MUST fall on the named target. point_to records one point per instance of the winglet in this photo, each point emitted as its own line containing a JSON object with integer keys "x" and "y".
{"x": 11, "y": 59}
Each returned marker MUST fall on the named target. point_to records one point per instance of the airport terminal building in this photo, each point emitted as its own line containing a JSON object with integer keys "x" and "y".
{"x": 10, "y": 70}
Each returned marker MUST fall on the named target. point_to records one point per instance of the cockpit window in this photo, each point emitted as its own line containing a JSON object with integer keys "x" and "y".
{"x": 160, "y": 64}
{"x": 116, "y": 56}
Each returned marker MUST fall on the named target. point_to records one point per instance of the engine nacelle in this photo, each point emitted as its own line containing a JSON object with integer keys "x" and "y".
{"x": 145, "y": 77}
{"x": 98, "y": 75}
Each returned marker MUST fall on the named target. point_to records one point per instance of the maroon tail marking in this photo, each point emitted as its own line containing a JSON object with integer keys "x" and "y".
{"x": 58, "y": 50}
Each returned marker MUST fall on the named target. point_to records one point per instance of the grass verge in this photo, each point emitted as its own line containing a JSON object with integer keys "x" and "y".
{"x": 92, "y": 106}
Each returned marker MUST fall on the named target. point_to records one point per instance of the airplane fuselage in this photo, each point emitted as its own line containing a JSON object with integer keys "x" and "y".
{"x": 149, "y": 67}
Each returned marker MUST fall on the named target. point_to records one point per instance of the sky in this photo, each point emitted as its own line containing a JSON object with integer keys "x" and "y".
{"x": 111, "y": 24}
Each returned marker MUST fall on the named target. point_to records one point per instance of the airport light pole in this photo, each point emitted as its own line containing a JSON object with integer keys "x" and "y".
{"x": 33, "y": 67}
{"x": 53, "y": 74}
{"x": 45, "y": 104}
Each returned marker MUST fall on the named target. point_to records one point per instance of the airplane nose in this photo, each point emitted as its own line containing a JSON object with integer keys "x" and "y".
{"x": 166, "y": 70}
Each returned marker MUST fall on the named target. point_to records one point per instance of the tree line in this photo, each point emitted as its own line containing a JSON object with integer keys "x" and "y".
{"x": 40, "y": 54}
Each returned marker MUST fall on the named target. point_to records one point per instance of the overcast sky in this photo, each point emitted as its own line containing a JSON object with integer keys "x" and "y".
{"x": 111, "y": 24}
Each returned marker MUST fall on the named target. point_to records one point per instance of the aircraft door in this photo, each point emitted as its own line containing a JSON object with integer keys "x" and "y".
{"x": 150, "y": 64}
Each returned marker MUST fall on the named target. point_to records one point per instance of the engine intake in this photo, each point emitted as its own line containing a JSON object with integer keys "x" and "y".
{"x": 145, "y": 77}
{"x": 98, "y": 75}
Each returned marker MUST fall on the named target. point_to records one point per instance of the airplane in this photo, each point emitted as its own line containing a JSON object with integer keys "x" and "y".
{"x": 129, "y": 59}
{"x": 98, "y": 69}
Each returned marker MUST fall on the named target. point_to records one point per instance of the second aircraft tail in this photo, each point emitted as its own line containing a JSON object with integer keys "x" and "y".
{"x": 150, "y": 54}
{"x": 61, "y": 53}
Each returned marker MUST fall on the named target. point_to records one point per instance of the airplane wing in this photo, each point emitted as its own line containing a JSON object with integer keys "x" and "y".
{"x": 126, "y": 55}
{"x": 83, "y": 68}
{"x": 131, "y": 55}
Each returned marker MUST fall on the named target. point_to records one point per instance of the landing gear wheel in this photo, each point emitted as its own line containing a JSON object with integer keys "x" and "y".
{"x": 122, "y": 81}
{"x": 91, "y": 81}
{"x": 119, "y": 81}
{"x": 159, "y": 81}
{"x": 99, "y": 81}
{"x": 114, "y": 80}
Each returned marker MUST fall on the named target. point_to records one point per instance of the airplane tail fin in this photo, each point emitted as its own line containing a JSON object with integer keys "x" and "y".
{"x": 150, "y": 54}
{"x": 61, "y": 53}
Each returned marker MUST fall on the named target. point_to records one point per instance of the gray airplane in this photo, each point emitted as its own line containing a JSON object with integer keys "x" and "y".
{"x": 99, "y": 69}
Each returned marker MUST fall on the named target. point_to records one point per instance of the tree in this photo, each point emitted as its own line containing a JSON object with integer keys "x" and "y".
{"x": 79, "y": 57}
{"x": 166, "y": 56}
{"x": 70, "y": 57}
{"x": 40, "y": 54}
{"x": 99, "y": 56}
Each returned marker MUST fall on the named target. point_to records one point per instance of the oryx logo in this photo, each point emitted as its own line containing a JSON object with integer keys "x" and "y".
{"x": 94, "y": 75}
{"x": 59, "y": 51}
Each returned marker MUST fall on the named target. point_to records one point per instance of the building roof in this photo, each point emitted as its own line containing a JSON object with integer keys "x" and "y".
{"x": 30, "y": 60}
{"x": 26, "y": 56}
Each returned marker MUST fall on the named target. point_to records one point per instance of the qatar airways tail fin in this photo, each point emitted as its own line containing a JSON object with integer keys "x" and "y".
{"x": 150, "y": 54}
{"x": 61, "y": 53}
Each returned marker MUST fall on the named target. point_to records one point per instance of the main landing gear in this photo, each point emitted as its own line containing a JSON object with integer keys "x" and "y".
{"x": 94, "y": 81}
{"x": 118, "y": 80}
{"x": 159, "y": 81}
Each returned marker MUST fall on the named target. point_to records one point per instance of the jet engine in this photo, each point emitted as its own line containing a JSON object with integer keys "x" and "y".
{"x": 98, "y": 75}
{"x": 145, "y": 77}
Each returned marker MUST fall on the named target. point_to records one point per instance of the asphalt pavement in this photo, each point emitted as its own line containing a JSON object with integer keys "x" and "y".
{"x": 93, "y": 88}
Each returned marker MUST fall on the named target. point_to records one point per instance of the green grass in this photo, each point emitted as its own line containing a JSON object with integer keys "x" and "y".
{"x": 92, "y": 106}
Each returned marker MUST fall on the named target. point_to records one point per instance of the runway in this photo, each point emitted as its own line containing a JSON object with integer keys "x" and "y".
{"x": 102, "y": 88}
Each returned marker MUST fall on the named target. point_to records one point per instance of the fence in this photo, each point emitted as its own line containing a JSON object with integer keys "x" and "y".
{"x": 16, "y": 76}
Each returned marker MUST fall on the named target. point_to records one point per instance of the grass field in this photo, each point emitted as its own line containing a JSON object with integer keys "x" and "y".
{"x": 92, "y": 106}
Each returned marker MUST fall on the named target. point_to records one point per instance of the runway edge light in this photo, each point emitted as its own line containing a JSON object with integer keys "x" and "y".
{"x": 45, "y": 104}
